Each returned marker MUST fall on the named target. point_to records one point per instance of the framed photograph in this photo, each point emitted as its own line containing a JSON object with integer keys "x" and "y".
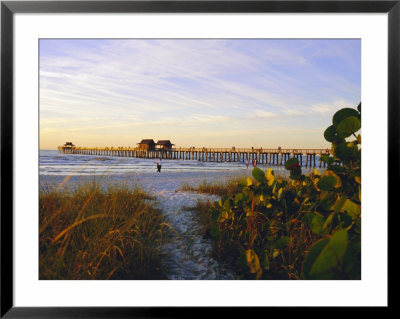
{"x": 158, "y": 156}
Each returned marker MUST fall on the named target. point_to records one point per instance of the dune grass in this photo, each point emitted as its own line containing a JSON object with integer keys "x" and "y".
{"x": 93, "y": 233}
{"x": 226, "y": 187}
{"x": 221, "y": 187}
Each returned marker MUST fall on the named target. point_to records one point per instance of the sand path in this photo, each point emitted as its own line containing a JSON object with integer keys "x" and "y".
{"x": 189, "y": 253}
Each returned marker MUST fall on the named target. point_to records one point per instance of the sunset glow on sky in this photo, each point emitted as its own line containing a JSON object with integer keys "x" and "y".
{"x": 200, "y": 92}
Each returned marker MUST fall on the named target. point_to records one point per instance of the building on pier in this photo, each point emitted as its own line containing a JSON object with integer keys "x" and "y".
{"x": 164, "y": 145}
{"x": 67, "y": 148}
{"x": 146, "y": 145}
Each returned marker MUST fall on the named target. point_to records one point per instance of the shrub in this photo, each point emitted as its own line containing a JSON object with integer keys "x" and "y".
{"x": 304, "y": 227}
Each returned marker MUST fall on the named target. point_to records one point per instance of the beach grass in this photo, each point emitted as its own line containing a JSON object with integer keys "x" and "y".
{"x": 226, "y": 187}
{"x": 92, "y": 232}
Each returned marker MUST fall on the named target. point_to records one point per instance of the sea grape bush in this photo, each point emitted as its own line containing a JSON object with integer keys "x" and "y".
{"x": 306, "y": 227}
{"x": 336, "y": 214}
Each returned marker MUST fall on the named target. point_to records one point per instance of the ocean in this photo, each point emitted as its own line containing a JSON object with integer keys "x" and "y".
{"x": 56, "y": 164}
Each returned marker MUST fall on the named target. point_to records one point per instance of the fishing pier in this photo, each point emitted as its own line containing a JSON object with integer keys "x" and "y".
{"x": 165, "y": 150}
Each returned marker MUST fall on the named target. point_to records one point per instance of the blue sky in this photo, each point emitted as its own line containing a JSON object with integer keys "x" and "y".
{"x": 213, "y": 93}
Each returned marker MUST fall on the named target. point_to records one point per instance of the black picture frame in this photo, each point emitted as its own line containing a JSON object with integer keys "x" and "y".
{"x": 9, "y": 8}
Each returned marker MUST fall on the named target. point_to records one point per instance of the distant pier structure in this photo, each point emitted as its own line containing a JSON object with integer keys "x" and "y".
{"x": 67, "y": 148}
{"x": 164, "y": 149}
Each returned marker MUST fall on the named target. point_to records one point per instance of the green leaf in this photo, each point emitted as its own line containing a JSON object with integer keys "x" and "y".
{"x": 266, "y": 263}
{"x": 222, "y": 200}
{"x": 249, "y": 181}
{"x": 346, "y": 151}
{"x": 269, "y": 176}
{"x": 253, "y": 262}
{"x": 282, "y": 242}
{"x": 280, "y": 194}
{"x": 359, "y": 107}
{"x": 327, "y": 159}
{"x": 345, "y": 220}
{"x": 344, "y": 113}
{"x": 338, "y": 140}
{"x": 340, "y": 203}
{"x": 292, "y": 163}
{"x": 312, "y": 255}
{"x": 307, "y": 219}
{"x": 330, "y": 133}
{"x": 327, "y": 183}
{"x": 352, "y": 208}
{"x": 245, "y": 183}
{"x": 326, "y": 265}
{"x": 295, "y": 173}
{"x": 327, "y": 201}
{"x": 328, "y": 221}
{"x": 332, "y": 173}
{"x": 227, "y": 204}
{"x": 258, "y": 175}
{"x": 238, "y": 198}
{"x": 316, "y": 224}
{"x": 223, "y": 216}
{"x": 348, "y": 126}
{"x": 352, "y": 261}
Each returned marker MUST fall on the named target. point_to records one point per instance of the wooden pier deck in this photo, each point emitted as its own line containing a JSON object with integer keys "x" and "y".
{"x": 306, "y": 157}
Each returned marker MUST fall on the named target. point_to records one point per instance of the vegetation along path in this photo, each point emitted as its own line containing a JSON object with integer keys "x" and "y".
{"x": 189, "y": 253}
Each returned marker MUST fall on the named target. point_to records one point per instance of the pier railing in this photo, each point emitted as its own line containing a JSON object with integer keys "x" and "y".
{"x": 277, "y": 156}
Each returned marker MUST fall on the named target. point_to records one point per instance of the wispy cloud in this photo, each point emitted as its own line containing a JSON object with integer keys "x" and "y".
{"x": 193, "y": 85}
{"x": 330, "y": 108}
{"x": 293, "y": 112}
{"x": 264, "y": 114}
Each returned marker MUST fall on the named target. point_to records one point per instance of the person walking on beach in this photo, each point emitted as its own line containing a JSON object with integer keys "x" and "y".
{"x": 158, "y": 167}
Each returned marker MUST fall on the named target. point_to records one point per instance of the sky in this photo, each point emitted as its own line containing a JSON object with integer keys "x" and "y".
{"x": 195, "y": 92}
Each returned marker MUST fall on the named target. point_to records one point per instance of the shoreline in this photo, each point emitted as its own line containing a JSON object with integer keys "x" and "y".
{"x": 149, "y": 181}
